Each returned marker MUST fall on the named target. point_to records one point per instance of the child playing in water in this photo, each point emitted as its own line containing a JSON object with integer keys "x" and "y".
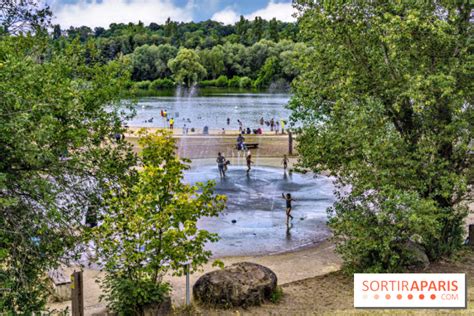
{"x": 249, "y": 161}
{"x": 285, "y": 162}
{"x": 221, "y": 164}
{"x": 288, "y": 200}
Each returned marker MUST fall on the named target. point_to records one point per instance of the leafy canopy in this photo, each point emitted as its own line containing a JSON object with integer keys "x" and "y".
{"x": 150, "y": 226}
{"x": 385, "y": 98}
{"x": 58, "y": 116}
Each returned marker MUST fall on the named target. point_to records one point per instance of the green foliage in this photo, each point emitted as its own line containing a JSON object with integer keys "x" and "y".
{"x": 222, "y": 81}
{"x": 186, "y": 67}
{"x": 58, "y": 115}
{"x": 245, "y": 82}
{"x": 385, "y": 100}
{"x": 142, "y": 85}
{"x": 162, "y": 84}
{"x": 277, "y": 295}
{"x": 270, "y": 71}
{"x": 129, "y": 296}
{"x": 234, "y": 82}
{"x": 150, "y": 226}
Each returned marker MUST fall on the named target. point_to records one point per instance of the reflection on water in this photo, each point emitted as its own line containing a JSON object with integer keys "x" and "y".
{"x": 212, "y": 110}
{"x": 257, "y": 209}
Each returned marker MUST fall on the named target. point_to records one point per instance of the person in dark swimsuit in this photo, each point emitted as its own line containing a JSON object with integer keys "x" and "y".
{"x": 249, "y": 162}
{"x": 288, "y": 200}
{"x": 221, "y": 164}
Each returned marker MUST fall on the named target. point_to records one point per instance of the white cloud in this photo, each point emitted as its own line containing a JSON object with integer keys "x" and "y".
{"x": 103, "y": 13}
{"x": 281, "y": 11}
{"x": 226, "y": 16}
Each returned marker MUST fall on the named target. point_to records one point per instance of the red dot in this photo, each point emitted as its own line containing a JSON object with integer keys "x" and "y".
{"x": 410, "y": 296}
{"x": 433, "y": 296}
{"x": 376, "y": 296}
{"x": 422, "y": 296}
{"x": 399, "y": 296}
{"x": 387, "y": 296}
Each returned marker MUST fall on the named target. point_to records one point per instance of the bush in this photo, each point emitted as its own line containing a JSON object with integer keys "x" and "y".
{"x": 222, "y": 81}
{"x": 245, "y": 82}
{"x": 142, "y": 85}
{"x": 277, "y": 295}
{"x": 207, "y": 83}
{"x": 165, "y": 83}
{"x": 234, "y": 82}
{"x": 129, "y": 297}
{"x": 373, "y": 230}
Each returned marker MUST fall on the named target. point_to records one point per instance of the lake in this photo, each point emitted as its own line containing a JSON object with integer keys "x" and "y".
{"x": 211, "y": 107}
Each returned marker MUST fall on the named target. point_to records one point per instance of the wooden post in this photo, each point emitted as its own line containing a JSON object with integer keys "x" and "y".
{"x": 471, "y": 235}
{"x": 77, "y": 294}
{"x": 290, "y": 143}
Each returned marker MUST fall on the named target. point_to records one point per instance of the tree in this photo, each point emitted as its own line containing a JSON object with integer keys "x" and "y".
{"x": 57, "y": 115}
{"x": 150, "y": 227}
{"x": 186, "y": 67}
{"x": 385, "y": 100}
{"x": 213, "y": 61}
{"x": 18, "y": 16}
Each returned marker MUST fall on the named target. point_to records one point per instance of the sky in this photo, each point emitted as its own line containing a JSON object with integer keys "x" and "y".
{"x": 95, "y": 13}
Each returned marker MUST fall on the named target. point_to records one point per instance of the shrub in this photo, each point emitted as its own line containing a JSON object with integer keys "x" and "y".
{"x": 207, "y": 83}
{"x": 165, "y": 83}
{"x": 142, "y": 85}
{"x": 130, "y": 296}
{"x": 373, "y": 230}
{"x": 245, "y": 82}
{"x": 277, "y": 295}
{"x": 234, "y": 82}
{"x": 222, "y": 81}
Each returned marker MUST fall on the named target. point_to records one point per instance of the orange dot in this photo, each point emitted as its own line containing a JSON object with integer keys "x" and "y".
{"x": 387, "y": 296}
{"x": 376, "y": 296}
{"x": 410, "y": 296}
{"x": 433, "y": 296}
{"x": 422, "y": 296}
{"x": 399, "y": 296}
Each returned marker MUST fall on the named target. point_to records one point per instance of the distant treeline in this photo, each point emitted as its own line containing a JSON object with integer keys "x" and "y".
{"x": 256, "y": 53}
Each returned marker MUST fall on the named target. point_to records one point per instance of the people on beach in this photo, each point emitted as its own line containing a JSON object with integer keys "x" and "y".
{"x": 171, "y": 123}
{"x": 285, "y": 162}
{"x": 221, "y": 163}
{"x": 185, "y": 129}
{"x": 272, "y": 124}
{"x": 240, "y": 125}
{"x": 288, "y": 200}
{"x": 249, "y": 161}
{"x": 261, "y": 121}
{"x": 282, "y": 125}
{"x": 228, "y": 121}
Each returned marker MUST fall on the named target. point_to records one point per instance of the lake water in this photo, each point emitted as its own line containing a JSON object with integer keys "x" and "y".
{"x": 212, "y": 108}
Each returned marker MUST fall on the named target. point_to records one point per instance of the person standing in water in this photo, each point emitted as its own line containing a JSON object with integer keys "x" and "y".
{"x": 249, "y": 161}
{"x": 285, "y": 162}
{"x": 221, "y": 164}
{"x": 288, "y": 200}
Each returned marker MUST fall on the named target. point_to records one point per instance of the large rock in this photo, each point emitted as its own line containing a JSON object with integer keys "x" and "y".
{"x": 241, "y": 284}
{"x": 419, "y": 259}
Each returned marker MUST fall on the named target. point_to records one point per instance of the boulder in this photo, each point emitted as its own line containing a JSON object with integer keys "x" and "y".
{"x": 241, "y": 284}
{"x": 419, "y": 259}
